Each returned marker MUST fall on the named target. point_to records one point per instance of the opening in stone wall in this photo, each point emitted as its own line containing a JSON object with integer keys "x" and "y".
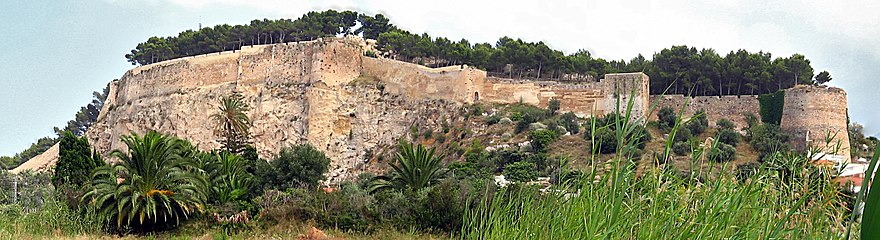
{"x": 476, "y": 96}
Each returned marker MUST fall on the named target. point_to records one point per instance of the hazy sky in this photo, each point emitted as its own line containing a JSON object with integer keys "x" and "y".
{"x": 55, "y": 53}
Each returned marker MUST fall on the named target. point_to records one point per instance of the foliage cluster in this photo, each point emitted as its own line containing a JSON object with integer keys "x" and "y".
{"x": 771, "y": 106}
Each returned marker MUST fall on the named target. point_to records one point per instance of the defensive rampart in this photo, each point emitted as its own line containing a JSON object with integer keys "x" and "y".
{"x": 816, "y": 116}
{"x": 733, "y": 108}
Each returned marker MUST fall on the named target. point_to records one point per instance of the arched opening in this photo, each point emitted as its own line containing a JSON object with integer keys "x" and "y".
{"x": 476, "y": 96}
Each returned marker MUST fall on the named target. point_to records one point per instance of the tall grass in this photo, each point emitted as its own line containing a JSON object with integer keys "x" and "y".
{"x": 787, "y": 197}
{"x": 54, "y": 218}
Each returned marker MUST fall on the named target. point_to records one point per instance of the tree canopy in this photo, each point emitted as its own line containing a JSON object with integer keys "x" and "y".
{"x": 680, "y": 69}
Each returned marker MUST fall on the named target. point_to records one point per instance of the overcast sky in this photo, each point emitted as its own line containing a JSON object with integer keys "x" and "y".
{"x": 55, "y": 53}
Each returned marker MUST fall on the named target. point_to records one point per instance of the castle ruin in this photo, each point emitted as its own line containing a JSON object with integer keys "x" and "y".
{"x": 327, "y": 93}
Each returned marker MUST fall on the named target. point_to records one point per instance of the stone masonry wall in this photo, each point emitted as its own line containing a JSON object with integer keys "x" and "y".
{"x": 734, "y": 108}
{"x": 811, "y": 114}
{"x": 587, "y": 99}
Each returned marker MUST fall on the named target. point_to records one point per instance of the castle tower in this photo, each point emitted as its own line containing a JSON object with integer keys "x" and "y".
{"x": 811, "y": 114}
{"x": 627, "y": 85}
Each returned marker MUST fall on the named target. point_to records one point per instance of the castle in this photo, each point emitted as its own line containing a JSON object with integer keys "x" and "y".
{"x": 327, "y": 93}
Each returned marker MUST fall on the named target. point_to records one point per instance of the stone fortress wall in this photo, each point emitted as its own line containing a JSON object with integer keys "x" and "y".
{"x": 733, "y": 108}
{"x": 314, "y": 92}
{"x": 328, "y": 94}
{"x": 812, "y": 114}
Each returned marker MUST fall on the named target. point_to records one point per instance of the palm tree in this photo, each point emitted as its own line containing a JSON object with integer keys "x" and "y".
{"x": 152, "y": 183}
{"x": 228, "y": 176}
{"x": 232, "y": 122}
{"x": 416, "y": 168}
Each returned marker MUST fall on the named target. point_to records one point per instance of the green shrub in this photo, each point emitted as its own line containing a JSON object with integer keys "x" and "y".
{"x": 371, "y": 54}
{"x": 722, "y": 153}
{"x": 682, "y": 135}
{"x": 681, "y": 148}
{"x": 300, "y": 166}
{"x": 666, "y": 118}
{"x": 492, "y": 120}
{"x": 75, "y": 161}
{"x": 522, "y": 171}
{"x": 427, "y": 134}
{"x": 767, "y": 138}
{"x": 503, "y": 157}
{"x": 728, "y": 136}
{"x": 606, "y": 140}
{"x": 516, "y": 116}
{"x": 569, "y": 121}
{"x": 698, "y": 123}
{"x": 724, "y": 123}
{"x": 553, "y": 106}
{"x": 540, "y": 139}
{"x": 606, "y": 135}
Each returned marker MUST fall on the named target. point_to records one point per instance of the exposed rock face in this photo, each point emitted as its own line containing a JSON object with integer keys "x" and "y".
{"x": 327, "y": 94}
{"x": 323, "y": 92}
{"x": 43, "y": 162}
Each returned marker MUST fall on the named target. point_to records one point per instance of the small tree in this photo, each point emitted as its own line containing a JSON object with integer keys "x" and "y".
{"x": 725, "y": 124}
{"x": 728, "y": 136}
{"x": 698, "y": 123}
{"x": 540, "y": 139}
{"x": 416, "y": 167}
{"x": 569, "y": 121}
{"x": 299, "y": 166}
{"x": 522, "y": 171}
{"x": 722, "y": 153}
{"x": 553, "y": 106}
{"x": 823, "y": 77}
{"x": 232, "y": 123}
{"x": 666, "y": 118}
{"x": 75, "y": 162}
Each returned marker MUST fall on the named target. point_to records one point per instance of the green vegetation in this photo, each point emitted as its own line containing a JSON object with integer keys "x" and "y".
{"x": 698, "y": 124}
{"x": 153, "y": 185}
{"x": 767, "y": 138}
{"x": 823, "y": 77}
{"x": 771, "y": 107}
{"x": 75, "y": 164}
{"x": 787, "y": 197}
{"x": 300, "y": 166}
{"x": 680, "y": 69}
{"x": 232, "y": 123}
{"x": 722, "y": 152}
{"x": 416, "y": 168}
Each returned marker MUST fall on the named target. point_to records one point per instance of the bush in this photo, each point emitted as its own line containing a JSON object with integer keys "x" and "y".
{"x": 722, "y": 153}
{"x": 552, "y": 107}
{"x": 728, "y": 136}
{"x": 682, "y": 135}
{"x": 492, "y": 120}
{"x": 298, "y": 166}
{"x": 698, "y": 123}
{"x": 503, "y": 157}
{"x": 666, "y": 118}
{"x": 522, "y": 171}
{"x": 606, "y": 140}
{"x": 606, "y": 134}
{"x": 74, "y": 168}
{"x": 681, "y": 148}
{"x": 724, "y": 123}
{"x": 767, "y": 138}
{"x": 569, "y": 121}
{"x": 540, "y": 139}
